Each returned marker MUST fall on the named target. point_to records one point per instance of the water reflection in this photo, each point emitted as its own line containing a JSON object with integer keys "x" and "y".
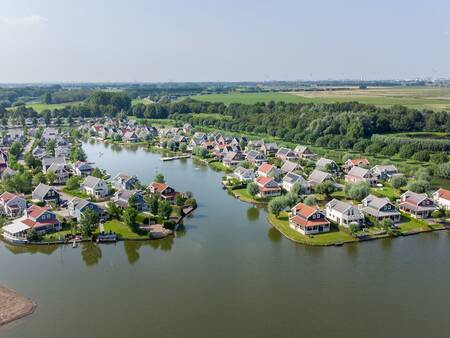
{"x": 352, "y": 249}
{"x": 274, "y": 235}
{"x": 91, "y": 253}
{"x": 253, "y": 214}
{"x": 31, "y": 249}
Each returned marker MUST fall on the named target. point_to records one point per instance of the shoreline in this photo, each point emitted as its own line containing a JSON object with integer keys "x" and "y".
{"x": 14, "y": 306}
{"x": 309, "y": 240}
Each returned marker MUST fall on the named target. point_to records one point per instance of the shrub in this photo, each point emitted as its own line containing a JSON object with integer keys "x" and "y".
{"x": 423, "y": 156}
{"x": 357, "y": 191}
{"x": 398, "y": 181}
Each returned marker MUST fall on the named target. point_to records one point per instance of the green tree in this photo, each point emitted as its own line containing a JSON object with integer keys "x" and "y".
{"x": 77, "y": 154}
{"x": 51, "y": 177}
{"x": 50, "y": 147}
{"x": 159, "y": 178}
{"x": 310, "y": 200}
{"x": 357, "y": 191}
{"x": 33, "y": 236}
{"x": 277, "y": 205}
{"x": 38, "y": 178}
{"x": 443, "y": 170}
{"x": 419, "y": 186}
{"x": 325, "y": 188}
{"x": 129, "y": 217}
{"x": 398, "y": 181}
{"x": 73, "y": 183}
{"x": 48, "y": 98}
{"x": 252, "y": 189}
{"x": 183, "y": 147}
{"x": 164, "y": 209}
{"x": 89, "y": 222}
{"x": 113, "y": 210}
{"x": 16, "y": 149}
{"x": 97, "y": 173}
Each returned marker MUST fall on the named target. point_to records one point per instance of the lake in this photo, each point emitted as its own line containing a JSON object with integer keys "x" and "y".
{"x": 228, "y": 274}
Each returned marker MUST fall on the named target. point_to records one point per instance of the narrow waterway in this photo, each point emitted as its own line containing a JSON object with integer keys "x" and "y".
{"x": 229, "y": 274}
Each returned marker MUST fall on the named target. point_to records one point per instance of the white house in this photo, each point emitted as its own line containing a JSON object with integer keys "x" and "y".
{"x": 243, "y": 174}
{"x": 12, "y": 205}
{"x": 442, "y": 198}
{"x": 291, "y": 178}
{"x": 94, "y": 186}
{"x": 343, "y": 213}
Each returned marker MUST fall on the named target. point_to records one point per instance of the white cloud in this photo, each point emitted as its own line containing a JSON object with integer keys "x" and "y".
{"x": 33, "y": 19}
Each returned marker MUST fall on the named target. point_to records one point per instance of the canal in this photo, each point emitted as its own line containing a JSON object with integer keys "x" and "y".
{"x": 228, "y": 274}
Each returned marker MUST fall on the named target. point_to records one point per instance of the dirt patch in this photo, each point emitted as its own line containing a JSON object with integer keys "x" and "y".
{"x": 14, "y": 306}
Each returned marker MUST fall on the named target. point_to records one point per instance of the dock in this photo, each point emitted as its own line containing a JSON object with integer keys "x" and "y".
{"x": 14, "y": 306}
{"x": 172, "y": 158}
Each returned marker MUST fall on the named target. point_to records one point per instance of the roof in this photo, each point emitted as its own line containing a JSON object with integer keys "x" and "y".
{"x": 15, "y": 228}
{"x": 412, "y": 197}
{"x": 388, "y": 168}
{"x": 293, "y": 178}
{"x": 35, "y": 211}
{"x": 322, "y": 162}
{"x": 47, "y": 161}
{"x": 339, "y": 206}
{"x": 91, "y": 181}
{"x": 289, "y": 166}
{"x": 319, "y": 176}
{"x": 264, "y": 180}
{"x": 309, "y": 223}
{"x": 359, "y": 161}
{"x": 158, "y": 187}
{"x": 265, "y": 168}
{"x": 7, "y": 196}
{"x": 376, "y": 202}
{"x": 443, "y": 193}
{"x": 284, "y": 151}
{"x": 358, "y": 172}
{"x": 41, "y": 190}
{"x": 305, "y": 210}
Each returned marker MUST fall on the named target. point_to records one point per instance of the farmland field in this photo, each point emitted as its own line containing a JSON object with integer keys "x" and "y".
{"x": 418, "y": 97}
{"x": 43, "y": 106}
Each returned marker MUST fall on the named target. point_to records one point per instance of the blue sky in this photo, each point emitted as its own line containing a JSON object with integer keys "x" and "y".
{"x": 175, "y": 40}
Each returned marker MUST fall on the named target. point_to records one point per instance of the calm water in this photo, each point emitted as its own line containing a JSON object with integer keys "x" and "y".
{"x": 227, "y": 275}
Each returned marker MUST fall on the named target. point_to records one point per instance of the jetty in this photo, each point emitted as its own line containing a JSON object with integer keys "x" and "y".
{"x": 172, "y": 158}
{"x": 14, "y": 306}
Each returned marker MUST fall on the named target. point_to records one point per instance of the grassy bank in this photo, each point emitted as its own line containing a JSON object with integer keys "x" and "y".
{"x": 334, "y": 237}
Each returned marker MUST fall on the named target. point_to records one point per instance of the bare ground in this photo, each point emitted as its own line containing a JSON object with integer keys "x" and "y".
{"x": 14, "y": 306}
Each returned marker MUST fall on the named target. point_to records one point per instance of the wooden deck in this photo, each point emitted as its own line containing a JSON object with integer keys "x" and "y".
{"x": 14, "y": 306}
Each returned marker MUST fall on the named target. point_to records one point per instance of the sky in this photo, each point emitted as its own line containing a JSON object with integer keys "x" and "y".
{"x": 222, "y": 40}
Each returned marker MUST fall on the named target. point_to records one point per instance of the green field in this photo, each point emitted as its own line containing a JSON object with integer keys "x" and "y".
{"x": 418, "y": 97}
{"x": 43, "y": 106}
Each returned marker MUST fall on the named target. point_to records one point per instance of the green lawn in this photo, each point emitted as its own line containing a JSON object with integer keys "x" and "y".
{"x": 386, "y": 191}
{"x": 75, "y": 192}
{"x": 42, "y": 106}
{"x": 122, "y": 230}
{"x": 411, "y": 224}
{"x": 244, "y": 196}
{"x": 56, "y": 235}
{"x": 329, "y": 238}
{"x": 220, "y": 167}
{"x": 417, "y": 97}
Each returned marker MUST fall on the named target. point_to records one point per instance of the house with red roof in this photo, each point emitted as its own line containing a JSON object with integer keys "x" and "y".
{"x": 442, "y": 198}
{"x": 417, "y": 205}
{"x": 268, "y": 170}
{"x": 268, "y": 187}
{"x": 12, "y": 205}
{"x": 40, "y": 219}
{"x": 163, "y": 190}
{"x": 308, "y": 220}
{"x": 356, "y": 162}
